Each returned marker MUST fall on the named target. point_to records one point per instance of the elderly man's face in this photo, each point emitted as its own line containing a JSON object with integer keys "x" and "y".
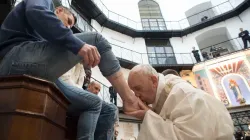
{"x": 144, "y": 86}
{"x": 94, "y": 88}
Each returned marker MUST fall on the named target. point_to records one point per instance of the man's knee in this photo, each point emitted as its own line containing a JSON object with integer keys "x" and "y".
{"x": 102, "y": 43}
{"x": 97, "y": 103}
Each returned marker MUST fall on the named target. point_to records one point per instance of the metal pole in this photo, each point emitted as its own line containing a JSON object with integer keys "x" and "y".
{"x": 192, "y": 58}
{"x": 121, "y": 53}
{"x": 127, "y": 22}
{"x": 231, "y": 4}
{"x": 182, "y": 59}
{"x": 219, "y": 10}
{"x": 179, "y": 25}
{"x": 132, "y": 56}
{"x": 141, "y": 59}
{"x": 108, "y": 13}
{"x": 239, "y": 43}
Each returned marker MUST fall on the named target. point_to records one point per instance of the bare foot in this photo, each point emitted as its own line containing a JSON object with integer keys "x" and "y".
{"x": 132, "y": 105}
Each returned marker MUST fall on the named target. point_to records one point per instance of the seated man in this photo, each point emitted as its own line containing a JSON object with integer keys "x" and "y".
{"x": 36, "y": 39}
{"x": 97, "y": 118}
{"x": 180, "y": 111}
{"x": 94, "y": 87}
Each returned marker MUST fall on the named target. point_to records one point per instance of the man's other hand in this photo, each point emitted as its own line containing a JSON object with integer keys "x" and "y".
{"x": 90, "y": 55}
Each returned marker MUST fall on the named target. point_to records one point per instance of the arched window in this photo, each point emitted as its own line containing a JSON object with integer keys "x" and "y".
{"x": 151, "y": 16}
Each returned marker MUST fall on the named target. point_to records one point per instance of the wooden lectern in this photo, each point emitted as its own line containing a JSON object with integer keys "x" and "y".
{"x": 31, "y": 109}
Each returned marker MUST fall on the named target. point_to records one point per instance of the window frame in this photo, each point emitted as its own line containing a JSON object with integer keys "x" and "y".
{"x": 155, "y": 59}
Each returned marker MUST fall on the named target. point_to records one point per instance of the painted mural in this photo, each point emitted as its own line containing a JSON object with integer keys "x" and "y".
{"x": 189, "y": 76}
{"x": 202, "y": 81}
{"x": 231, "y": 79}
{"x": 226, "y": 78}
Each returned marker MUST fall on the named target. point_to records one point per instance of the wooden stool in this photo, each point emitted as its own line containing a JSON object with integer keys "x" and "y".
{"x": 31, "y": 109}
{"x": 71, "y": 124}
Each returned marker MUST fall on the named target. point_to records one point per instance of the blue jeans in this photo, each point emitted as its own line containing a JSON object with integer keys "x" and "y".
{"x": 48, "y": 61}
{"x": 45, "y": 60}
{"x": 96, "y": 119}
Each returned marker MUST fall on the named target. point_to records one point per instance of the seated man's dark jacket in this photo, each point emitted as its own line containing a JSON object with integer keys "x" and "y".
{"x": 34, "y": 20}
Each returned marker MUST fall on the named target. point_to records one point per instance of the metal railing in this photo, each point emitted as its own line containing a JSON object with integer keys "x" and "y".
{"x": 104, "y": 92}
{"x": 131, "y": 55}
{"x": 241, "y": 121}
{"x": 165, "y": 59}
{"x": 171, "y": 25}
{"x": 222, "y": 48}
{"x": 155, "y": 58}
{"x": 127, "y": 54}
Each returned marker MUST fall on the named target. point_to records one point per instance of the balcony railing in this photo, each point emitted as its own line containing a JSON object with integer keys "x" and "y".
{"x": 167, "y": 59}
{"x": 222, "y": 48}
{"x": 162, "y": 59}
{"x": 170, "y": 25}
{"x": 241, "y": 121}
{"x": 127, "y": 54}
{"x": 131, "y": 55}
{"x": 104, "y": 93}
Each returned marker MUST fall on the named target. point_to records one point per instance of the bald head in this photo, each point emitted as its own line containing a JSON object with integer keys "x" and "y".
{"x": 94, "y": 87}
{"x": 143, "y": 70}
{"x": 143, "y": 80}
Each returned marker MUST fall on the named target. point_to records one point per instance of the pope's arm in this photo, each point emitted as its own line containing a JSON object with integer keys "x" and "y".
{"x": 190, "y": 119}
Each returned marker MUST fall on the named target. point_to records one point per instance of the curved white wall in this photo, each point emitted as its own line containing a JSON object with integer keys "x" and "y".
{"x": 180, "y": 45}
{"x": 184, "y": 44}
{"x": 196, "y": 13}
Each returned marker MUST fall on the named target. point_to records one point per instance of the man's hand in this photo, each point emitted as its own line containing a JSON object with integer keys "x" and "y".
{"x": 90, "y": 54}
{"x": 141, "y": 112}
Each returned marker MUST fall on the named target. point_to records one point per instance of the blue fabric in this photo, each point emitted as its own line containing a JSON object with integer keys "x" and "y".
{"x": 96, "y": 118}
{"x": 48, "y": 61}
{"x": 34, "y": 20}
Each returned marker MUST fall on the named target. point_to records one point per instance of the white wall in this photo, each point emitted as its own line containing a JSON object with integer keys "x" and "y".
{"x": 185, "y": 44}
{"x": 194, "y": 18}
{"x": 125, "y": 41}
{"x": 217, "y": 36}
{"x": 180, "y": 45}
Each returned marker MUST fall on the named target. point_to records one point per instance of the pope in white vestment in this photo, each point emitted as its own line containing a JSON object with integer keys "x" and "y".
{"x": 179, "y": 111}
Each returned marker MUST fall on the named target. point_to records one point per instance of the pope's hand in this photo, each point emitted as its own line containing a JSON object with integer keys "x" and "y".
{"x": 139, "y": 113}
{"x": 132, "y": 105}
